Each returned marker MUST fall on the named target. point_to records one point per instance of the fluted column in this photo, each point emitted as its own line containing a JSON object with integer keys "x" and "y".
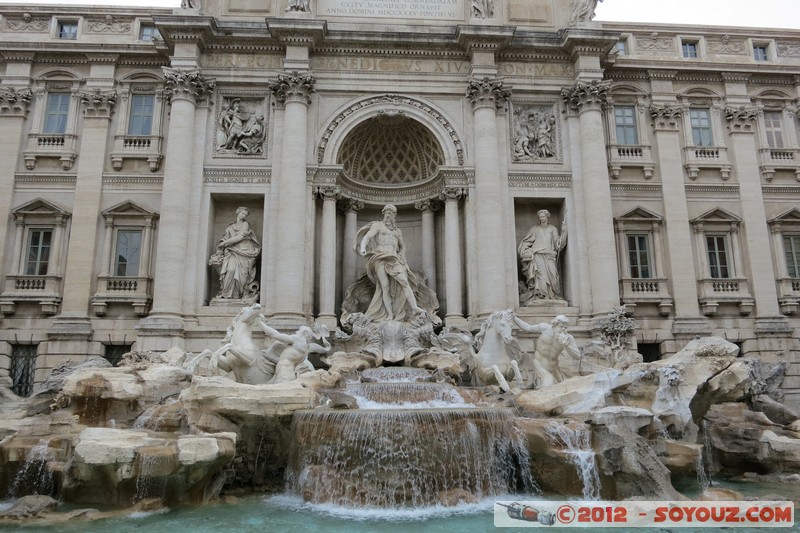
{"x": 683, "y": 280}
{"x": 349, "y": 257}
{"x": 14, "y": 106}
{"x": 427, "y": 208}
{"x": 327, "y": 256}
{"x": 486, "y": 95}
{"x": 294, "y": 91}
{"x": 588, "y": 101}
{"x": 79, "y": 273}
{"x": 184, "y": 88}
{"x": 452, "y": 254}
{"x": 741, "y": 124}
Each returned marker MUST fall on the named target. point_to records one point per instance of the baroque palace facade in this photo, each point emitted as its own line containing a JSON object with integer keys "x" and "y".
{"x": 667, "y": 159}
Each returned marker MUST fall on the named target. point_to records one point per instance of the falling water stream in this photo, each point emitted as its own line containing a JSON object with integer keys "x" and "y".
{"x": 34, "y": 477}
{"x": 577, "y": 445}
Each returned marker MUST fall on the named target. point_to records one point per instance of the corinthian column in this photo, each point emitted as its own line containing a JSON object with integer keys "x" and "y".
{"x": 486, "y": 95}
{"x": 452, "y": 255}
{"x": 741, "y": 124}
{"x": 294, "y": 92}
{"x": 428, "y": 242}
{"x": 184, "y": 88}
{"x": 588, "y": 101}
{"x": 327, "y": 256}
{"x": 349, "y": 257}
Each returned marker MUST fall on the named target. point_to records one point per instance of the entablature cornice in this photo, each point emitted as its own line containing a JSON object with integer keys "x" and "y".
{"x": 474, "y": 38}
{"x": 199, "y": 29}
{"x": 582, "y": 42}
{"x": 297, "y": 32}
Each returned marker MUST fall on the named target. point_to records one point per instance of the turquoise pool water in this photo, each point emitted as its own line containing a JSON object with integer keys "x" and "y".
{"x": 284, "y": 514}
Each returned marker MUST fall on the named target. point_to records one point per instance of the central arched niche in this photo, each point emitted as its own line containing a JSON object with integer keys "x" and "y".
{"x": 390, "y": 150}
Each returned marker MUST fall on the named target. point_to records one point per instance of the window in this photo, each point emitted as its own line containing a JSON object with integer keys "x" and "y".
{"x": 760, "y": 52}
{"x": 718, "y": 256}
{"x": 773, "y": 126}
{"x": 128, "y": 252}
{"x": 68, "y": 30}
{"x": 701, "y": 127}
{"x": 39, "y": 244}
{"x": 56, "y": 113}
{"x": 639, "y": 256}
{"x": 141, "y": 117}
{"x": 148, "y": 33}
{"x": 791, "y": 244}
{"x": 625, "y": 121}
{"x": 621, "y": 47}
{"x": 23, "y": 368}
{"x": 689, "y": 49}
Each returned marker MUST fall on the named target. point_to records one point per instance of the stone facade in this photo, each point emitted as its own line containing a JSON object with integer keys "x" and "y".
{"x": 130, "y": 137}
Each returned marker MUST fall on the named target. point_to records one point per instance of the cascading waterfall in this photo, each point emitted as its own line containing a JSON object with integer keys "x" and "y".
{"x": 406, "y": 458}
{"x": 411, "y": 443}
{"x": 577, "y": 444}
{"x": 34, "y": 477}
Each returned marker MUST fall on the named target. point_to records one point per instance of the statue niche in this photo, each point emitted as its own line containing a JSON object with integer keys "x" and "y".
{"x": 540, "y": 257}
{"x": 235, "y": 260}
{"x": 389, "y": 290}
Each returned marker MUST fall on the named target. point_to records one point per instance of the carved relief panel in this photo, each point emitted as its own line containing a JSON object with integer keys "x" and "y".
{"x": 535, "y": 133}
{"x": 241, "y": 126}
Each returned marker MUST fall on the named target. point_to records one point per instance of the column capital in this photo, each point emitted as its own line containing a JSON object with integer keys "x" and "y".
{"x": 14, "y": 102}
{"x": 487, "y": 92}
{"x": 666, "y": 117}
{"x": 426, "y": 205}
{"x": 294, "y": 87}
{"x": 99, "y": 104}
{"x": 328, "y": 192}
{"x": 741, "y": 119}
{"x": 186, "y": 84}
{"x": 349, "y": 204}
{"x": 453, "y": 193}
{"x": 584, "y": 96}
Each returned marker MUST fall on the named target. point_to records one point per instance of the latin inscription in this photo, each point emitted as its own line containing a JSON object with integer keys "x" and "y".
{"x": 407, "y": 9}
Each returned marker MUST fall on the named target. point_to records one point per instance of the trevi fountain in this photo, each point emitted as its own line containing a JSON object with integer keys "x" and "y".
{"x": 391, "y": 417}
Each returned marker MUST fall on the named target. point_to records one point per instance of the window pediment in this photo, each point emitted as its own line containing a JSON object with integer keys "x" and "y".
{"x": 39, "y": 207}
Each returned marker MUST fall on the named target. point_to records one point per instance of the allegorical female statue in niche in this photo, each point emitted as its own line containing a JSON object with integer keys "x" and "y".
{"x": 539, "y": 252}
{"x": 236, "y": 258}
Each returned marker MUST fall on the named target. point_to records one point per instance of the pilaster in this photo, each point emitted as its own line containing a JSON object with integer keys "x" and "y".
{"x": 683, "y": 281}
{"x": 741, "y": 128}
{"x": 14, "y": 106}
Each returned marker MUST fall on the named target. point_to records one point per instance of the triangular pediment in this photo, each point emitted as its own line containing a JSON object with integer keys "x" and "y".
{"x": 717, "y": 215}
{"x": 640, "y": 214}
{"x": 791, "y": 216}
{"x": 128, "y": 209}
{"x": 40, "y": 207}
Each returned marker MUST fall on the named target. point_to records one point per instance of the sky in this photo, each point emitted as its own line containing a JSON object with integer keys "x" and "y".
{"x": 759, "y": 13}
